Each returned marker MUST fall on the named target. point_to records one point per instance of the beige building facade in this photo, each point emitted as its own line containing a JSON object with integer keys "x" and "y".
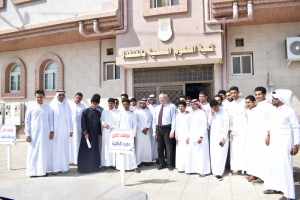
{"x": 141, "y": 47}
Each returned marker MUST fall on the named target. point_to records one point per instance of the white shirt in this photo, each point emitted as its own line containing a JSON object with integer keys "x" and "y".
{"x": 167, "y": 118}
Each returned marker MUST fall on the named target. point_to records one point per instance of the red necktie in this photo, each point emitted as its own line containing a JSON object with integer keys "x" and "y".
{"x": 160, "y": 115}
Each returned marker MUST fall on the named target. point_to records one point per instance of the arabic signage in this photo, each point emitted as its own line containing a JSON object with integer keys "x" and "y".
{"x": 121, "y": 141}
{"x": 8, "y": 134}
{"x": 168, "y": 51}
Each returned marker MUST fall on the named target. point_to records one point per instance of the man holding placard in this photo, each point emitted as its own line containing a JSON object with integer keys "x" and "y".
{"x": 127, "y": 120}
{"x": 39, "y": 132}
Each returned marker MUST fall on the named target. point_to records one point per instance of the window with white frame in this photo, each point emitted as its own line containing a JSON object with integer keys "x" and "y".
{"x": 112, "y": 71}
{"x": 15, "y": 79}
{"x": 163, "y": 3}
{"x": 50, "y": 76}
{"x": 241, "y": 64}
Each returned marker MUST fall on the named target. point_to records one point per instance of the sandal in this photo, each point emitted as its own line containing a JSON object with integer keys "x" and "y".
{"x": 140, "y": 165}
{"x": 64, "y": 172}
{"x": 201, "y": 175}
{"x": 149, "y": 164}
{"x": 137, "y": 170}
{"x": 271, "y": 192}
{"x": 54, "y": 173}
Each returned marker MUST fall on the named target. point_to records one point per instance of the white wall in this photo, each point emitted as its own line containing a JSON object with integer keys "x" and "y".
{"x": 44, "y": 10}
{"x": 267, "y": 44}
{"x": 81, "y": 70}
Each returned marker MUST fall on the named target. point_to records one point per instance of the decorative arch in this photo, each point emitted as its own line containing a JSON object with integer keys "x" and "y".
{"x": 39, "y": 73}
{"x": 5, "y": 76}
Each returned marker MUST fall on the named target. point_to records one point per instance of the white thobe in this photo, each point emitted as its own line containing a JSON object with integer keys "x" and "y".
{"x": 38, "y": 125}
{"x": 206, "y": 107}
{"x": 74, "y": 142}
{"x": 189, "y": 108}
{"x": 238, "y": 125}
{"x": 127, "y": 120}
{"x": 153, "y": 140}
{"x": 110, "y": 117}
{"x": 257, "y": 131}
{"x": 182, "y": 129}
{"x": 219, "y": 127}
{"x": 198, "y": 160}
{"x": 59, "y": 146}
{"x": 142, "y": 141}
{"x": 121, "y": 108}
{"x": 279, "y": 162}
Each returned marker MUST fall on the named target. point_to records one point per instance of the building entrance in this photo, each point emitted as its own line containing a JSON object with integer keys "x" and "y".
{"x": 193, "y": 89}
{"x": 174, "y": 81}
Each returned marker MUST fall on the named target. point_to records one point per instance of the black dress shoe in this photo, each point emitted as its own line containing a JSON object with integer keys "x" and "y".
{"x": 161, "y": 167}
{"x": 171, "y": 168}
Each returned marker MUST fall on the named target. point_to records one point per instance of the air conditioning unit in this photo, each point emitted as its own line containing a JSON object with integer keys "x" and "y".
{"x": 292, "y": 49}
{"x": 14, "y": 114}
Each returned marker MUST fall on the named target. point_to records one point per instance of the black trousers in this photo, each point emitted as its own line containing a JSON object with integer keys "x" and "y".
{"x": 166, "y": 146}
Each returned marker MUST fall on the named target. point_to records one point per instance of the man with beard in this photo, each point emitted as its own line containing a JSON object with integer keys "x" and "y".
{"x": 151, "y": 101}
{"x": 143, "y": 137}
{"x": 279, "y": 162}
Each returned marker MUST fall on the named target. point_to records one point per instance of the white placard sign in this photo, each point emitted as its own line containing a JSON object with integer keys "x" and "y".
{"x": 121, "y": 141}
{"x": 8, "y": 134}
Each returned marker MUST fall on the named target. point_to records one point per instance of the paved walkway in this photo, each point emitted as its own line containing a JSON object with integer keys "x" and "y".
{"x": 158, "y": 184}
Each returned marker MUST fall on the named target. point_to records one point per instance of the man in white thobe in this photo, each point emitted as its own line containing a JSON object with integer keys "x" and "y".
{"x": 143, "y": 136}
{"x": 74, "y": 142}
{"x": 279, "y": 162}
{"x": 151, "y": 101}
{"x": 63, "y": 129}
{"x": 198, "y": 160}
{"x": 109, "y": 122}
{"x": 203, "y": 100}
{"x": 127, "y": 120}
{"x": 121, "y": 108}
{"x": 39, "y": 132}
{"x": 219, "y": 139}
{"x": 238, "y": 130}
{"x": 261, "y": 118}
{"x": 183, "y": 120}
{"x": 188, "y": 104}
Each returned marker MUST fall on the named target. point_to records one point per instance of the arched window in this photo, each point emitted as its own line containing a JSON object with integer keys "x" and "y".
{"x": 15, "y": 79}
{"x": 50, "y": 76}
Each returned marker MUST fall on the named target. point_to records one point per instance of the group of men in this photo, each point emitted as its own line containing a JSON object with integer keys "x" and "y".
{"x": 192, "y": 136}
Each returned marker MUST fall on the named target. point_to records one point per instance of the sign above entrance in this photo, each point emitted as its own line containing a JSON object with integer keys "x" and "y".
{"x": 168, "y": 51}
{"x": 164, "y": 29}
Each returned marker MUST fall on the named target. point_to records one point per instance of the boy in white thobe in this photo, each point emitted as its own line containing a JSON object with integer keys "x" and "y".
{"x": 182, "y": 129}
{"x": 263, "y": 110}
{"x": 74, "y": 142}
{"x": 151, "y": 101}
{"x": 253, "y": 138}
{"x": 198, "y": 160}
{"x": 109, "y": 122}
{"x": 127, "y": 120}
{"x": 143, "y": 140}
{"x": 63, "y": 129}
{"x": 279, "y": 162}
{"x": 238, "y": 130}
{"x": 39, "y": 132}
{"x": 219, "y": 126}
